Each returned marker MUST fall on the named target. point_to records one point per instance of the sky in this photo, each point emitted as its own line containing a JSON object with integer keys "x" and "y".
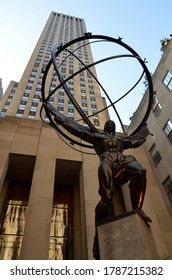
{"x": 141, "y": 24}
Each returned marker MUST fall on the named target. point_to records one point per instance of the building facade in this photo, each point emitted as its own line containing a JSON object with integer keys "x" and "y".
{"x": 159, "y": 146}
{"x": 49, "y": 190}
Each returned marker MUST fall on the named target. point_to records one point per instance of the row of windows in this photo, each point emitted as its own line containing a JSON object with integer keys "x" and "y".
{"x": 34, "y": 72}
{"x": 35, "y": 101}
{"x": 156, "y": 156}
{"x": 167, "y": 129}
{"x": 168, "y": 187}
{"x": 168, "y": 80}
{"x": 168, "y": 181}
{"x": 9, "y": 99}
{"x": 63, "y": 70}
{"x": 153, "y": 150}
{"x": 34, "y": 106}
{"x": 168, "y": 83}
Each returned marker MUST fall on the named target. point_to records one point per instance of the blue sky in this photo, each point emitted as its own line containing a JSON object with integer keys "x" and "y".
{"x": 141, "y": 24}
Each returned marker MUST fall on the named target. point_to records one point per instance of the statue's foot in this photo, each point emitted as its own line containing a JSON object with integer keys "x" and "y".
{"x": 144, "y": 216}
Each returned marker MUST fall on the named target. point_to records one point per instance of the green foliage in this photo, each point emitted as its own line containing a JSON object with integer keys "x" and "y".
{"x": 164, "y": 43}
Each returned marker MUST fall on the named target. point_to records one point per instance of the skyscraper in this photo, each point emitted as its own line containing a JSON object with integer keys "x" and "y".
{"x": 22, "y": 103}
{"x": 49, "y": 190}
{"x": 25, "y": 102}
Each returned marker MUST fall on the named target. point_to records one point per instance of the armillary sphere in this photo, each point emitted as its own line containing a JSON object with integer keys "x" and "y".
{"x": 71, "y": 49}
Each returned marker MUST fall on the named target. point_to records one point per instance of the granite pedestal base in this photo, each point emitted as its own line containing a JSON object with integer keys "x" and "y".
{"x": 126, "y": 237}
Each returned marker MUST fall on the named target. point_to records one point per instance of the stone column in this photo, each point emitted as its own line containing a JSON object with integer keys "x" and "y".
{"x": 35, "y": 245}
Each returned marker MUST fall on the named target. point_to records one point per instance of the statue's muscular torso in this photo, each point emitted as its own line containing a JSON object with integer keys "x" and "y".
{"x": 107, "y": 145}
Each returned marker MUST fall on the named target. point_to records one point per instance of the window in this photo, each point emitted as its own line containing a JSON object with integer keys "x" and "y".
{"x": 37, "y": 94}
{"x": 33, "y": 74}
{"x": 20, "y": 113}
{"x": 25, "y": 98}
{"x": 27, "y": 91}
{"x": 29, "y": 84}
{"x": 61, "y": 100}
{"x": 70, "y": 104}
{"x": 53, "y": 83}
{"x": 168, "y": 187}
{"x": 60, "y": 108}
{"x": 71, "y": 115}
{"x": 156, "y": 107}
{"x": 82, "y": 84}
{"x": 91, "y": 91}
{"x": 96, "y": 122}
{"x": 61, "y": 226}
{"x": 85, "y": 110}
{"x": 33, "y": 109}
{"x": 82, "y": 79}
{"x": 36, "y": 64}
{"x": 52, "y": 88}
{"x": 35, "y": 100}
{"x": 168, "y": 130}
{"x": 22, "y": 106}
{"x": 83, "y": 95}
{"x": 61, "y": 91}
{"x": 70, "y": 110}
{"x": 13, "y": 220}
{"x": 155, "y": 154}
{"x": 94, "y": 106}
{"x": 83, "y": 91}
{"x": 168, "y": 80}
{"x": 63, "y": 70}
{"x": 94, "y": 110}
{"x": 32, "y": 114}
{"x": 88, "y": 74}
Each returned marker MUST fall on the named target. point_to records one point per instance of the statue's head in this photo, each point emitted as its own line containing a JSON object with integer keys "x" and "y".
{"x": 110, "y": 126}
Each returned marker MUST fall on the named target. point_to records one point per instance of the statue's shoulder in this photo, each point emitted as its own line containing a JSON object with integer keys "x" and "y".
{"x": 120, "y": 138}
{"x": 99, "y": 134}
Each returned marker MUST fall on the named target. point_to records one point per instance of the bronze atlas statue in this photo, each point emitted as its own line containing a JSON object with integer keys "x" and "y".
{"x": 115, "y": 169}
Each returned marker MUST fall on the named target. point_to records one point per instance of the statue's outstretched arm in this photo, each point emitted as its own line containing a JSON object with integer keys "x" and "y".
{"x": 136, "y": 140}
{"x": 71, "y": 126}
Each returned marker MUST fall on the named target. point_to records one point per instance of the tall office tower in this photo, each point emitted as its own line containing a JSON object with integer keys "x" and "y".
{"x": 21, "y": 105}
{"x": 49, "y": 190}
{"x": 25, "y": 101}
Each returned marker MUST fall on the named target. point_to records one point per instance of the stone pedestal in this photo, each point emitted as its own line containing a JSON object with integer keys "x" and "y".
{"x": 126, "y": 237}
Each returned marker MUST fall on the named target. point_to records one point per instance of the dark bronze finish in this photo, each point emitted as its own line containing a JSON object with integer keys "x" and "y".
{"x": 115, "y": 168}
